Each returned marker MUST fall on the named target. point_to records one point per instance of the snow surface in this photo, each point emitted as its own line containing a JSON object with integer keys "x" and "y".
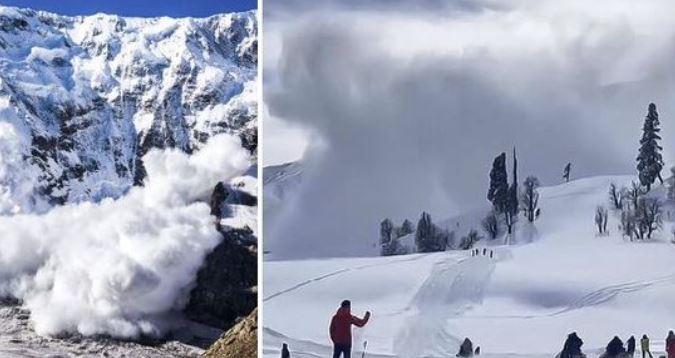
{"x": 558, "y": 277}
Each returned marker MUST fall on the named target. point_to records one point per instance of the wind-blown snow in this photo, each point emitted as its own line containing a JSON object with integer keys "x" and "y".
{"x": 413, "y": 100}
{"x": 558, "y": 278}
{"x": 119, "y": 266}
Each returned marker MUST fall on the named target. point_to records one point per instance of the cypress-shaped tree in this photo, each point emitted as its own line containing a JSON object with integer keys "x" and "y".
{"x": 498, "y": 192}
{"x": 650, "y": 162}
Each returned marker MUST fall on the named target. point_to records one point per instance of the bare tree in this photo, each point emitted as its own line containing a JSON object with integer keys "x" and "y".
{"x": 601, "y": 216}
{"x": 491, "y": 225}
{"x": 649, "y": 217}
{"x": 530, "y": 198}
{"x": 469, "y": 240}
{"x": 634, "y": 193}
{"x": 628, "y": 223}
{"x": 616, "y": 196}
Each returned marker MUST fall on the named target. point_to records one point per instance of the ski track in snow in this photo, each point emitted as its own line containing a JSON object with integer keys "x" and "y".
{"x": 437, "y": 301}
{"x": 450, "y": 289}
{"x": 335, "y": 273}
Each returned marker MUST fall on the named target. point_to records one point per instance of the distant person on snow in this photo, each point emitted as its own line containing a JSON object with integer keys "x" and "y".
{"x": 484, "y": 252}
{"x": 572, "y": 347}
{"x": 670, "y": 344}
{"x": 630, "y": 346}
{"x": 284, "y": 351}
{"x": 644, "y": 344}
{"x": 466, "y": 349}
{"x": 341, "y": 329}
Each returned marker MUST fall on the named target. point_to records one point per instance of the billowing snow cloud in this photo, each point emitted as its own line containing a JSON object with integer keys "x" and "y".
{"x": 412, "y": 106}
{"x": 119, "y": 266}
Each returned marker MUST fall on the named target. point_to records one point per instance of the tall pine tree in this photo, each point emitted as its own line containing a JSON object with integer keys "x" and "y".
{"x": 650, "y": 162}
{"x": 498, "y": 192}
{"x": 513, "y": 191}
{"x": 424, "y": 236}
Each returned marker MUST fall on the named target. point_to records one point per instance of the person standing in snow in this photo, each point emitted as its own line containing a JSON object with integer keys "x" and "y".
{"x": 466, "y": 349}
{"x": 644, "y": 344}
{"x": 341, "y": 329}
{"x": 670, "y": 344}
{"x": 572, "y": 347}
{"x": 630, "y": 346}
{"x": 615, "y": 349}
{"x": 284, "y": 351}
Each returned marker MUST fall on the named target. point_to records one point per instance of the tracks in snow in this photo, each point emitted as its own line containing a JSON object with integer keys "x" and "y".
{"x": 335, "y": 273}
{"x": 451, "y": 288}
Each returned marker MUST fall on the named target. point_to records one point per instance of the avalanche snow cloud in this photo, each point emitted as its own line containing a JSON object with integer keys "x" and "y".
{"x": 118, "y": 266}
{"x": 412, "y": 106}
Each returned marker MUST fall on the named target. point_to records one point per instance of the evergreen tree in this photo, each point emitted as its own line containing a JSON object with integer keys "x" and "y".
{"x": 650, "y": 162}
{"x": 513, "y": 197}
{"x": 407, "y": 227}
{"x": 386, "y": 230}
{"x": 530, "y": 198}
{"x": 566, "y": 172}
{"x": 424, "y": 236}
{"x": 499, "y": 187}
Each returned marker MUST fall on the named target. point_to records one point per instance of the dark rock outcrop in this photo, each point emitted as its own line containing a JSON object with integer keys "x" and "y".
{"x": 226, "y": 286}
{"x": 240, "y": 341}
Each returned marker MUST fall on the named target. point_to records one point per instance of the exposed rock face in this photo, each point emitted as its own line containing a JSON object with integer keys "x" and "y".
{"x": 240, "y": 341}
{"x": 226, "y": 287}
{"x": 83, "y": 98}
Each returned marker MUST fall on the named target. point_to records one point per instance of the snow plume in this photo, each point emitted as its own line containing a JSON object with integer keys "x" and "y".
{"x": 413, "y": 106}
{"x": 119, "y": 266}
{"x": 16, "y": 184}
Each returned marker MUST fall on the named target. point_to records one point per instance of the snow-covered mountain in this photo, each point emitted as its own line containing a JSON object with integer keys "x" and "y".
{"x": 559, "y": 277}
{"x": 82, "y": 99}
{"x": 280, "y": 184}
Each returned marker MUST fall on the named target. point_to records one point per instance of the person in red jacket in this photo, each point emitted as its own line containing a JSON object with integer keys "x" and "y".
{"x": 670, "y": 344}
{"x": 341, "y": 329}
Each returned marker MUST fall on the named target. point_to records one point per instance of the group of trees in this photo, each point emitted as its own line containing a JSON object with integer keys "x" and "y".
{"x": 428, "y": 237}
{"x": 389, "y": 235}
{"x": 507, "y": 200}
{"x": 640, "y": 214}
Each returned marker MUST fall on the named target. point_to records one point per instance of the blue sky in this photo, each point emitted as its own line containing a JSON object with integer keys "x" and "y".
{"x": 144, "y": 8}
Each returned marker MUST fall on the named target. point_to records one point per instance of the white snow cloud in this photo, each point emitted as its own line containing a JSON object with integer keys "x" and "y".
{"x": 414, "y": 105}
{"x": 119, "y": 266}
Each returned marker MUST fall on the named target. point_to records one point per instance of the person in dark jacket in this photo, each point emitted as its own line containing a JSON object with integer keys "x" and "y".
{"x": 614, "y": 349}
{"x": 341, "y": 329}
{"x": 466, "y": 349}
{"x": 670, "y": 344}
{"x": 572, "y": 346}
{"x": 630, "y": 346}
{"x": 284, "y": 351}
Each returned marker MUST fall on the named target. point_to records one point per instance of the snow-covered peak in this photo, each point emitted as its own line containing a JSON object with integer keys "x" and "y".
{"x": 90, "y": 95}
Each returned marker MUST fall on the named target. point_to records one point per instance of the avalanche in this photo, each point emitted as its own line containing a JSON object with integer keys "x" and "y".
{"x": 521, "y": 303}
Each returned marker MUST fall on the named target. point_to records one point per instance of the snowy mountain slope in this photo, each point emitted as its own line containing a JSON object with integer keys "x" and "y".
{"x": 83, "y": 98}
{"x": 280, "y": 183}
{"x": 523, "y": 302}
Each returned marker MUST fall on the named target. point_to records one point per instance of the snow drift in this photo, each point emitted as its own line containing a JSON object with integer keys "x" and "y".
{"x": 119, "y": 266}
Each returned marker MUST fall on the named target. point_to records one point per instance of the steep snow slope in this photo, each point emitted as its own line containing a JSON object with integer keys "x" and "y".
{"x": 280, "y": 183}
{"x": 82, "y": 99}
{"x": 522, "y": 302}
